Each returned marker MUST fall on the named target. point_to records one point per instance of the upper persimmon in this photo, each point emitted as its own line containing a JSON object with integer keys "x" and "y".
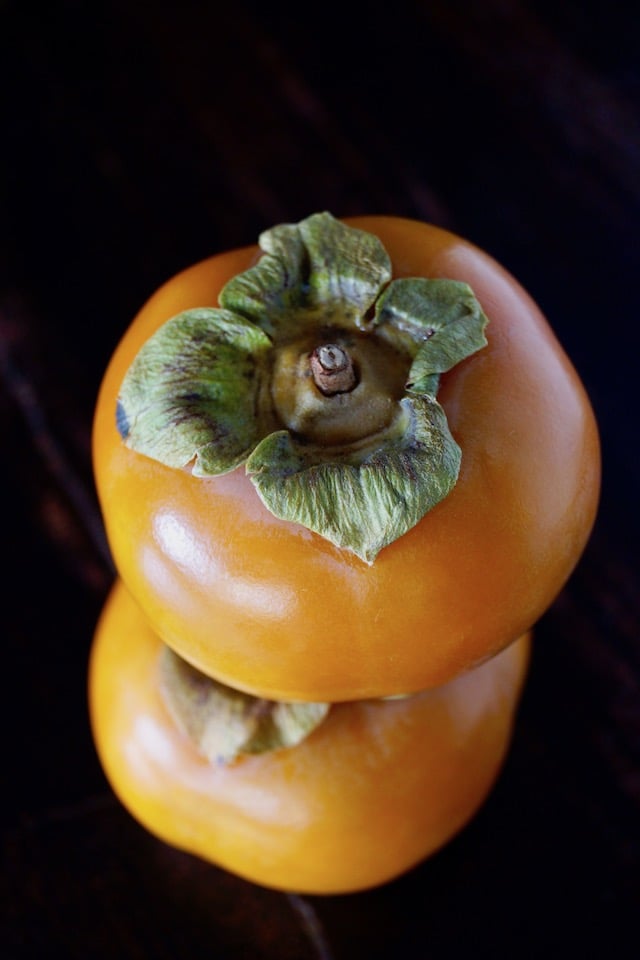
{"x": 331, "y": 476}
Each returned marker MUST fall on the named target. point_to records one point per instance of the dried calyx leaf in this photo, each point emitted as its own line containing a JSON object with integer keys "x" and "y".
{"x": 225, "y": 724}
{"x": 320, "y": 373}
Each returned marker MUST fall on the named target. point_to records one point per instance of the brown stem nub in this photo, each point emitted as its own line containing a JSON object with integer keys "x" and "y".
{"x": 332, "y": 369}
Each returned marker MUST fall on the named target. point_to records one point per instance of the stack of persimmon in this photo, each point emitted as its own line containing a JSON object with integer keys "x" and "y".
{"x": 342, "y": 476}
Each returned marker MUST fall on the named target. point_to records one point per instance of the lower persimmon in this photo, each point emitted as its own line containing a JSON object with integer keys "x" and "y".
{"x": 375, "y": 788}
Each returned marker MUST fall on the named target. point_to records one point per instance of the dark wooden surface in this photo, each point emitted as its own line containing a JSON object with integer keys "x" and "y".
{"x": 140, "y": 137}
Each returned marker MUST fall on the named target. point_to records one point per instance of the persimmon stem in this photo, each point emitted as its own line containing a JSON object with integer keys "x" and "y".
{"x": 332, "y": 369}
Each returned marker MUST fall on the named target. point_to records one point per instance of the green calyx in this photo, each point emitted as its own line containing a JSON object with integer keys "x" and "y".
{"x": 319, "y": 372}
{"x": 225, "y": 724}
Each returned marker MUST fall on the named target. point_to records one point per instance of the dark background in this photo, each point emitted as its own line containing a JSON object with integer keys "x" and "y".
{"x": 137, "y": 138}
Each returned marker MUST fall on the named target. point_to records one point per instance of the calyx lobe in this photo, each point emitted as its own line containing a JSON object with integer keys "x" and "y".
{"x": 225, "y": 724}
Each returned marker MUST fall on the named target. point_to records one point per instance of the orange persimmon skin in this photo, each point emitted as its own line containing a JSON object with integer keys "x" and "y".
{"x": 379, "y": 786}
{"x": 271, "y": 608}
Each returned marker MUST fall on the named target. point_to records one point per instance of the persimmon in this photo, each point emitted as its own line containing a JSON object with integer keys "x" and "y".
{"x": 377, "y": 786}
{"x": 336, "y": 482}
